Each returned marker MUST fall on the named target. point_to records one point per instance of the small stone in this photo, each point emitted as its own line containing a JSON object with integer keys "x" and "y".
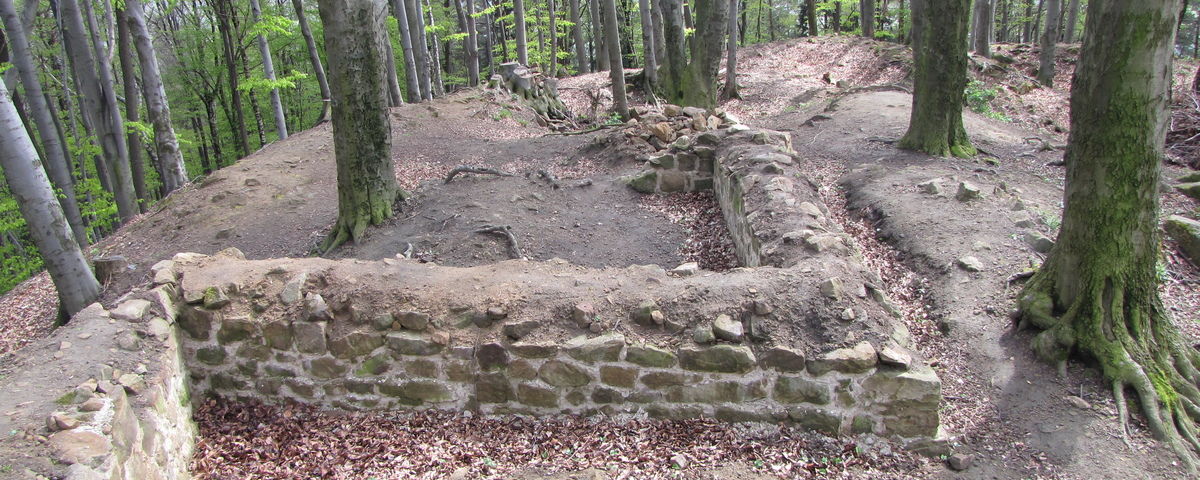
{"x": 316, "y": 308}
{"x": 519, "y": 330}
{"x": 78, "y": 446}
{"x": 92, "y": 405}
{"x": 606, "y": 348}
{"x": 61, "y": 421}
{"x": 726, "y": 328}
{"x": 562, "y": 374}
{"x": 857, "y": 359}
{"x": 644, "y": 315}
{"x": 832, "y": 288}
{"x": 134, "y": 384}
{"x": 960, "y": 461}
{"x": 128, "y": 340}
{"x": 491, "y": 356}
{"x": 1079, "y": 403}
{"x": 215, "y": 298}
{"x": 293, "y": 289}
{"x": 497, "y": 313}
{"x": 931, "y": 187}
{"x": 679, "y": 461}
{"x": 762, "y": 308}
{"x": 895, "y": 356}
{"x": 967, "y": 191}
{"x": 64, "y": 345}
{"x": 970, "y": 264}
{"x": 406, "y": 343}
{"x": 131, "y": 310}
{"x": 703, "y": 334}
{"x": 686, "y": 270}
{"x": 649, "y": 356}
{"x": 583, "y": 314}
{"x": 383, "y": 321}
{"x": 721, "y": 358}
{"x": 1038, "y": 242}
{"x": 847, "y": 314}
{"x": 415, "y": 321}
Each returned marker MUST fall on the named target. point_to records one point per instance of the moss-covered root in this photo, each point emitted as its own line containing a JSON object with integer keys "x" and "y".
{"x": 353, "y": 222}
{"x": 938, "y": 141}
{"x": 1137, "y": 348}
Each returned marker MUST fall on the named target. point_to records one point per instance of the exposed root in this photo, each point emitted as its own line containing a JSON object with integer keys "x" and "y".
{"x": 476, "y": 170}
{"x": 506, "y": 232}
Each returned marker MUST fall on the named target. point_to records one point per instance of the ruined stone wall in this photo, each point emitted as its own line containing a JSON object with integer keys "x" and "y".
{"x": 367, "y": 357}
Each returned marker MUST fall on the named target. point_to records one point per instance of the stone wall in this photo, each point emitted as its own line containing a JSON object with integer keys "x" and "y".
{"x": 274, "y": 338}
{"x": 131, "y": 418}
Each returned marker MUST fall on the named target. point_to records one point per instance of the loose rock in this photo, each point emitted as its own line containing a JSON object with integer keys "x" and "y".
{"x": 726, "y": 328}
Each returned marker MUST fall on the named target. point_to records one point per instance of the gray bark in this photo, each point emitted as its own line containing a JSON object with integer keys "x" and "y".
{"x": 674, "y": 62}
{"x": 436, "y": 54}
{"x": 269, "y": 71}
{"x": 416, "y": 31}
{"x": 100, "y": 105}
{"x": 651, "y": 67}
{"x": 656, "y": 22}
{"x": 172, "y": 171}
{"x": 519, "y": 30}
{"x": 77, "y": 286}
{"x": 731, "y": 90}
{"x": 612, "y": 40}
{"x": 1049, "y": 42}
{"x": 406, "y": 44}
{"x": 472, "y": 44}
{"x": 867, "y": 18}
{"x": 983, "y": 28}
{"x": 581, "y": 62}
{"x": 395, "y": 99}
{"x": 599, "y": 52}
{"x": 1072, "y": 21}
{"x": 58, "y": 164}
{"x": 553, "y": 38}
{"x": 314, "y": 56}
{"x": 133, "y": 105}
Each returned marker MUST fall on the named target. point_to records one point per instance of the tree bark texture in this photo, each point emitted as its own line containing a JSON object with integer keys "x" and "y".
{"x": 983, "y": 28}
{"x": 598, "y": 50}
{"x": 264, "y": 48}
{"x": 472, "y": 44}
{"x": 866, "y": 18}
{"x": 362, "y": 134}
{"x": 612, "y": 40}
{"x": 406, "y": 44}
{"x": 731, "y": 90}
{"x": 314, "y": 57}
{"x": 1096, "y": 293}
{"x": 1049, "y": 42}
{"x": 650, "y": 68}
{"x": 1073, "y": 21}
{"x": 133, "y": 105}
{"x": 812, "y": 18}
{"x": 581, "y": 62}
{"x": 416, "y": 30}
{"x": 77, "y": 286}
{"x": 223, "y": 10}
{"x": 172, "y": 171}
{"x": 519, "y": 31}
{"x": 695, "y": 84}
{"x": 939, "y": 78}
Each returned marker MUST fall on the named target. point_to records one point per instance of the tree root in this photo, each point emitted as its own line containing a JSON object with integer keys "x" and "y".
{"x": 506, "y": 232}
{"x": 549, "y": 178}
{"x": 477, "y": 170}
{"x": 1128, "y": 332}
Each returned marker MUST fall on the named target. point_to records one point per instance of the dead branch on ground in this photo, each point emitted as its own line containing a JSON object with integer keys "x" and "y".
{"x": 506, "y": 231}
{"x": 476, "y": 170}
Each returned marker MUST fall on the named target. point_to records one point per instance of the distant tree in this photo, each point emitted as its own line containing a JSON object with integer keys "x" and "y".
{"x": 264, "y": 49}
{"x": 416, "y": 31}
{"x": 314, "y": 57}
{"x": 362, "y": 135}
{"x": 939, "y": 78}
{"x": 867, "y": 18}
{"x": 612, "y": 41}
{"x": 171, "y": 169}
{"x": 581, "y": 62}
{"x": 519, "y": 30}
{"x": 399, "y": 10}
{"x": 1049, "y": 42}
{"x": 651, "y": 64}
{"x": 812, "y": 17}
{"x": 1096, "y": 293}
{"x": 1073, "y": 21}
{"x": 599, "y": 53}
{"x": 983, "y": 28}
{"x": 133, "y": 106}
{"x": 731, "y": 90}
{"x": 77, "y": 286}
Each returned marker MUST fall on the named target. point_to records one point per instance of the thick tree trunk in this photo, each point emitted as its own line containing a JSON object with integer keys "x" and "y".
{"x": 1073, "y": 21}
{"x": 812, "y": 18}
{"x": 598, "y": 49}
{"x": 612, "y": 42}
{"x": 867, "y": 18}
{"x": 133, "y": 105}
{"x": 1049, "y": 42}
{"x": 264, "y": 48}
{"x": 650, "y": 68}
{"x": 581, "y": 62}
{"x": 362, "y": 134}
{"x": 660, "y": 44}
{"x": 731, "y": 90}
{"x": 76, "y": 285}
{"x": 519, "y": 31}
{"x": 674, "y": 64}
{"x": 983, "y": 28}
{"x": 1096, "y": 292}
{"x": 416, "y": 30}
{"x": 698, "y": 86}
{"x": 100, "y": 105}
{"x": 314, "y": 57}
{"x": 939, "y": 78}
{"x": 58, "y": 164}
{"x": 172, "y": 171}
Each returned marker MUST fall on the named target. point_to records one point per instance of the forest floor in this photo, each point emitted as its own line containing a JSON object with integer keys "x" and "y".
{"x": 1012, "y": 414}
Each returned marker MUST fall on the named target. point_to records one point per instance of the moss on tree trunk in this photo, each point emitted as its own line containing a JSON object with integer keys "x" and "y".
{"x": 1097, "y": 292}
{"x": 939, "y": 78}
{"x": 362, "y": 135}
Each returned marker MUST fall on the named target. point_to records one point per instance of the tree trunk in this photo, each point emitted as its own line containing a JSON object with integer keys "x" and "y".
{"x": 223, "y": 10}
{"x": 473, "y": 45}
{"x": 731, "y": 90}
{"x": 314, "y": 56}
{"x": 674, "y": 64}
{"x": 983, "y": 28}
{"x": 416, "y": 30}
{"x": 58, "y": 164}
{"x": 406, "y": 44}
{"x": 1096, "y": 292}
{"x": 362, "y": 133}
{"x": 1049, "y": 41}
{"x": 616, "y": 73}
{"x": 1073, "y": 21}
{"x": 867, "y": 18}
{"x": 395, "y": 98}
{"x": 100, "y": 106}
{"x": 598, "y": 49}
{"x": 581, "y": 63}
{"x": 696, "y": 84}
{"x": 171, "y": 168}
{"x": 133, "y": 138}
{"x": 435, "y": 68}
{"x": 76, "y": 285}
{"x": 656, "y": 22}
{"x": 552, "y": 12}
{"x": 269, "y": 71}
{"x": 812, "y": 18}
{"x": 1027, "y": 24}
{"x": 939, "y": 78}
{"x": 519, "y": 31}
{"x": 650, "y": 68}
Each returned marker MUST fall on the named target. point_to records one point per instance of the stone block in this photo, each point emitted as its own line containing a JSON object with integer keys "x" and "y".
{"x": 858, "y": 359}
{"x": 309, "y": 337}
{"x": 650, "y": 356}
{"x": 491, "y": 356}
{"x": 408, "y": 343}
{"x": 278, "y": 335}
{"x": 618, "y": 376}
{"x": 782, "y": 359}
{"x": 817, "y": 419}
{"x": 536, "y": 396}
{"x": 375, "y": 365}
{"x": 660, "y": 380}
{"x": 533, "y": 350}
{"x": 713, "y": 392}
{"x": 427, "y": 391}
{"x": 355, "y": 344}
{"x": 789, "y": 389}
{"x": 421, "y": 368}
{"x": 493, "y": 388}
{"x": 521, "y": 369}
{"x": 742, "y": 415}
{"x": 133, "y": 310}
{"x": 236, "y": 329}
{"x": 415, "y": 321}
{"x": 254, "y": 351}
{"x": 326, "y": 367}
{"x": 604, "y": 348}
{"x": 563, "y": 374}
{"x": 214, "y": 355}
{"x": 906, "y": 400}
{"x": 720, "y": 358}
{"x": 605, "y": 396}
{"x": 673, "y": 412}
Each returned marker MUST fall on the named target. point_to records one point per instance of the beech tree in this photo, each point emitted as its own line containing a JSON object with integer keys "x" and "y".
{"x": 692, "y": 82}
{"x": 612, "y": 40}
{"x": 581, "y": 62}
{"x": 939, "y": 36}
{"x": 171, "y": 169}
{"x": 866, "y": 18}
{"x": 1096, "y": 292}
{"x": 314, "y": 57}
{"x": 983, "y": 28}
{"x": 1049, "y": 41}
{"x": 519, "y": 31}
{"x": 362, "y": 132}
{"x": 410, "y": 65}
{"x": 650, "y": 69}
{"x": 731, "y": 90}
{"x": 264, "y": 49}
{"x": 77, "y": 286}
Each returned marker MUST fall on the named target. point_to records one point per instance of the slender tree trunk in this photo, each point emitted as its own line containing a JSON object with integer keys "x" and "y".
{"x": 58, "y": 164}
{"x": 439, "y": 88}
{"x": 1073, "y": 20}
{"x": 1096, "y": 294}
{"x": 76, "y": 285}
{"x": 395, "y": 98}
{"x": 731, "y": 90}
{"x": 406, "y": 44}
{"x": 1027, "y": 24}
{"x": 133, "y": 105}
{"x": 472, "y": 44}
{"x": 581, "y": 63}
{"x": 983, "y": 23}
{"x": 599, "y": 51}
{"x": 812, "y": 18}
{"x": 651, "y": 66}
{"x": 1049, "y": 42}
{"x": 616, "y": 74}
{"x": 660, "y": 44}
{"x": 269, "y": 71}
{"x": 172, "y": 171}
{"x": 100, "y": 105}
{"x": 314, "y": 57}
{"x": 519, "y": 31}
{"x": 867, "y": 18}
{"x": 416, "y": 31}
{"x": 223, "y": 10}
{"x": 362, "y": 133}
{"x": 489, "y": 44}
{"x": 1003, "y": 36}
{"x": 939, "y": 78}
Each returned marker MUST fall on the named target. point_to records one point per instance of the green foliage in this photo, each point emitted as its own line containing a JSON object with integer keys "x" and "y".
{"x": 273, "y": 24}
{"x": 979, "y": 96}
{"x": 4, "y": 66}
{"x": 259, "y": 84}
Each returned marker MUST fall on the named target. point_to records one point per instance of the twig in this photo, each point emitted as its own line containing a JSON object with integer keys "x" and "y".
{"x": 549, "y": 177}
{"x": 582, "y": 132}
{"x": 506, "y": 231}
{"x": 478, "y": 170}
